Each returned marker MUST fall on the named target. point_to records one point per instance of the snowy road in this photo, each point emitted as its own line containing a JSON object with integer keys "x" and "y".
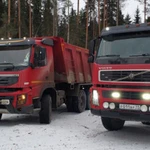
{"x": 70, "y": 131}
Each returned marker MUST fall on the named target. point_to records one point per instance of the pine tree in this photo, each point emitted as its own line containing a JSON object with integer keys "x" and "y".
{"x": 111, "y": 13}
{"x": 47, "y": 20}
{"x": 137, "y": 18}
{"x": 82, "y": 28}
{"x": 2, "y": 10}
{"x": 127, "y": 19}
{"x": 37, "y": 13}
{"x": 121, "y": 18}
{"x": 62, "y": 28}
{"x": 73, "y": 27}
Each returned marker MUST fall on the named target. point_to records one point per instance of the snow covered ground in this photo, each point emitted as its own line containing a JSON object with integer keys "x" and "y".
{"x": 69, "y": 131}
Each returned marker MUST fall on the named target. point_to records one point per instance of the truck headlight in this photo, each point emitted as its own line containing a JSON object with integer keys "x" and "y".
{"x": 21, "y": 99}
{"x": 116, "y": 95}
{"x": 95, "y": 97}
{"x": 146, "y": 96}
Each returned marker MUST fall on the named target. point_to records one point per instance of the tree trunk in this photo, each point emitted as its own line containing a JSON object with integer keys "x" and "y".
{"x": 87, "y": 21}
{"x": 9, "y": 4}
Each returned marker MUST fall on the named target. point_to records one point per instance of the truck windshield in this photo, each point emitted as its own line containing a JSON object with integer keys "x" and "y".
{"x": 14, "y": 55}
{"x": 124, "y": 49}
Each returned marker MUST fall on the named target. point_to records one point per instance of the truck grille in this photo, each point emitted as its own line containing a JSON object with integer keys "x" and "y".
{"x": 127, "y": 76}
{"x": 124, "y": 95}
{"x": 8, "y": 80}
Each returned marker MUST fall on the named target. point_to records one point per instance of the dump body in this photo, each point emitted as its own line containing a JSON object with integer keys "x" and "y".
{"x": 70, "y": 63}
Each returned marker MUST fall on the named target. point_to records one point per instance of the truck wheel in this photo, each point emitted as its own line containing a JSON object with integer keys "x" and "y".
{"x": 0, "y": 116}
{"x": 112, "y": 123}
{"x": 87, "y": 100}
{"x": 46, "y": 109}
{"x": 69, "y": 104}
{"x": 79, "y": 102}
{"x": 146, "y": 123}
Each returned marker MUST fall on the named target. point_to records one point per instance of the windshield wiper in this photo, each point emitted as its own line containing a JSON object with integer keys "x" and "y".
{"x": 7, "y": 65}
{"x": 117, "y": 60}
{"x": 113, "y": 55}
{"x": 146, "y": 54}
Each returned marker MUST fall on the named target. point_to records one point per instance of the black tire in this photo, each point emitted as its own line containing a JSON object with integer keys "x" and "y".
{"x": 0, "y": 117}
{"x": 112, "y": 123}
{"x": 69, "y": 104}
{"x": 79, "y": 102}
{"x": 46, "y": 109}
{"x": 87, "y": 100}
{"x": 146, "y": 123}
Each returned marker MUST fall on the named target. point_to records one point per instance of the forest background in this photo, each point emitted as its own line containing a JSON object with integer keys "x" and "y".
{"x": 33, "y": 18}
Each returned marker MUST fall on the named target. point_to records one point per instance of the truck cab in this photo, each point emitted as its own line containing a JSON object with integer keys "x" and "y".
{"x": 24, "y": 72}
{"x": 121, "y": 75}
{"x": 40, "y": 74}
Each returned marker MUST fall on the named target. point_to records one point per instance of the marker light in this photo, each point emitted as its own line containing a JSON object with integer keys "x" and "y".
{"x": 144, "y": 108}
{"x": 105, "y": 105}
{"x": 112, "y": 106}
{"x": 95, "y": 97}
{"x": 9, "y": 38}
{"x": 146, "y": 96}
{"x": 116, "y": 95}
{"x": 2, "y": 38}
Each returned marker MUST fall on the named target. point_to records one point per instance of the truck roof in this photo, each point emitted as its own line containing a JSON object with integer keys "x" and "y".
{"x": 26, "y": 41}
{"x": 126, "y": 29}
{"x": 13, "y": 42}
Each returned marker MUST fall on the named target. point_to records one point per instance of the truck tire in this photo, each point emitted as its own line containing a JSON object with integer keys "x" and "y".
{"x": 112, "y": 123}
{"x": 87, "y": 100}
{"x": 0, "y": 117}
{"x": 79, "y": 102}
{"x": 69, "y": 104}
{"x": 146, "y": 123}
{"x": 46, "y": 109}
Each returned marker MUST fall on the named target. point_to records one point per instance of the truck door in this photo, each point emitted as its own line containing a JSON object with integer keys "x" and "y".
{"x": 40, "y": 71}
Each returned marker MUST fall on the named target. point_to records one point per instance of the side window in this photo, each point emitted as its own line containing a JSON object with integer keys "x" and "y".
{"x": 39, "y": 56}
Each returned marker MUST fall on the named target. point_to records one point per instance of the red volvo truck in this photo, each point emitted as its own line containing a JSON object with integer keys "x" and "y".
{"x": 40, "y": 74}
{"x": 121, "y": 75}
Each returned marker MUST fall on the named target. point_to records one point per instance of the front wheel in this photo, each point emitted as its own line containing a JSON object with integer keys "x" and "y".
{"x": 46, "y": 109}
{"x": 146, "y": 123}
{"x": 0, "y": 116}
{"x": 112, "y": 123}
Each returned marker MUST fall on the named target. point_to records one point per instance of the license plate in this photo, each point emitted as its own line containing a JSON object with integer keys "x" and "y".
{"x": 4, "y": 102}
{"x": 129, "y": 107}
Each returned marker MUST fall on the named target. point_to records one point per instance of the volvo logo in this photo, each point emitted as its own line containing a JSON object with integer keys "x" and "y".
{"x": 131, "y": 76}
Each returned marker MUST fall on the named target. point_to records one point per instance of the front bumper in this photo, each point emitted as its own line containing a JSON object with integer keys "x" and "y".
{"x": 124, "y": 115}
{"x": 12, "y": 107}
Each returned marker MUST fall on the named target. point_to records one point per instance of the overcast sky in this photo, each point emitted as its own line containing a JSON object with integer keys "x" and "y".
{"x": 130, "y": 7}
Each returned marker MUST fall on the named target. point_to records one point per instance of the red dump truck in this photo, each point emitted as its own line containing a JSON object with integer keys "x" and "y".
{"x": 121, "y": 75}
{"x": 40, "y": 74}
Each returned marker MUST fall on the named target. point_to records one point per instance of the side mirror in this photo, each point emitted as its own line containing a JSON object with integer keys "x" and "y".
{"x": 91, "y": 59}
{"x": 91, "y": 51}
{"x": 32, "y": 65}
